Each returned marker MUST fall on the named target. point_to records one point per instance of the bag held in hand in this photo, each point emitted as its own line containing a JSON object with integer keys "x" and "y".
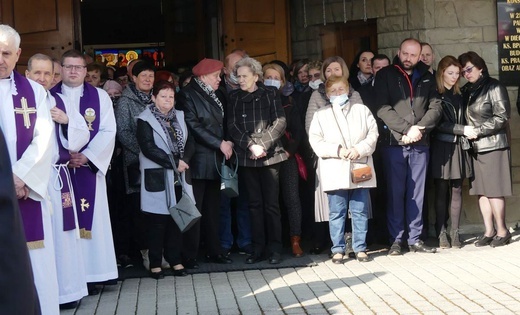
{"x": 360, "y": 172}
{"x": 228, "y": 177}
{"x": 184, "y": 213}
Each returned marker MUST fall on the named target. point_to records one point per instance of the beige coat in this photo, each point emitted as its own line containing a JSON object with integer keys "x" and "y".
{"x": 358, "y": 130}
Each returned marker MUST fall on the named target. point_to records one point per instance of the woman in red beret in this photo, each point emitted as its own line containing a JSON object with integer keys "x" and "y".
{"x": 203, "y": 105}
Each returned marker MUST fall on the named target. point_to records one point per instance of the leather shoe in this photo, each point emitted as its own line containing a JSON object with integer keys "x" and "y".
{"x": 395, "y": 249}
{"x": 422, "y": 248}
{"x": 501, "y": 240}
{"x": 316, "y": 250}
{"x": 157, "y": 275}
{"x": 484, "y": 240}
{"x": 180, "y": 272}
{"x": 363, "y": 257}
{"x": 69, "y": 306}
{"x": 219, "y": 259}
{"x": 275, "y": 259}
{"x": 337, "y": 258}
{"x": 253, "y": 259}
{"x": 191, "y": 263}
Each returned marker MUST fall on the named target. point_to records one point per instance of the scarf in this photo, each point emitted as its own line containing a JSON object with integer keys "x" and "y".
{"x": 169, "y": 123}
{"x": 206, "y": 88}
{"x": 145, "y": 98}
{"x": 364, "y": 80}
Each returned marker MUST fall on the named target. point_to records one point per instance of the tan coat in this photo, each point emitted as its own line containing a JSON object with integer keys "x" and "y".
{"x": 358, "y": 130}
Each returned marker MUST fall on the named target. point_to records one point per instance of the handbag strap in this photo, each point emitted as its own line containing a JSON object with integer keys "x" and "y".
{"x": 176, "y": 172}
{"x": 224, "y": 162}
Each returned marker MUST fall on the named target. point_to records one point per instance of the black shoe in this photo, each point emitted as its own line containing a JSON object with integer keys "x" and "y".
{"x": 275, "y": 259}
{"x": 219, "y": 259}
{"x": 484, "y": 240}
{"x": 92, "y": 290}
{"x": 124, "y": 261}
{"x": 501, "y": 240}
{"x": 422, "y": 248}
{"x": 108, "y": 282}
{"x": 69, "y": 306}
{"x": 191, "y": 263}
{"x": 226, "y": 251}
{"x": 246, "y": 250}
{"x": 253, "y": 259}
{"x": 316, "y": 250}
{"x": 395, "y": 249}
{"x": 180, "y": 272}
{"x": 157, "y": 275}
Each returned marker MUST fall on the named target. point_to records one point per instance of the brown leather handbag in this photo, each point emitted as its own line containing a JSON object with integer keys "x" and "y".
{"x": 360, "y": 174}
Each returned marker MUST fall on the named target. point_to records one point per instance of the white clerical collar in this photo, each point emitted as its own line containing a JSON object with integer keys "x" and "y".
{"x": 72, "y": 90}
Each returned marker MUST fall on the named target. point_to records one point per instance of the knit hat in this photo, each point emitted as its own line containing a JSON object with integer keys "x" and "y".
{"x": 112, "y": 86}
{"x": 207, "y": 66}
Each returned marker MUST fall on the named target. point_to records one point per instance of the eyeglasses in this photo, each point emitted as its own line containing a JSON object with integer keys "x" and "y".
{"x": 70, "y": 67}
{"x": 468, "y": 70}
{"x": 315, "y": 76}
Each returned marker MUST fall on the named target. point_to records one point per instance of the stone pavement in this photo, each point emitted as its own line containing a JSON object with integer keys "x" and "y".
{"x": 470, "y": 280}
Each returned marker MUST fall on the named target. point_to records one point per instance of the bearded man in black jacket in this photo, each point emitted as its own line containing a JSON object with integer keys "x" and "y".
{"x": 407, "y": 105}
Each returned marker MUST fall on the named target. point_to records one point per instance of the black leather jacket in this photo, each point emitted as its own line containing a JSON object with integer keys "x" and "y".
{"x": 488, "y": 109}
{"x": 206, "y": 124}
{"x": 451, "y": 125}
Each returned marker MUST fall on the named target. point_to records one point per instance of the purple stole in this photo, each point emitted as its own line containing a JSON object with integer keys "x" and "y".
{"x": 64, "y": 156}
{"x": 24, "y": 103}
{"x": 83, "y": 178}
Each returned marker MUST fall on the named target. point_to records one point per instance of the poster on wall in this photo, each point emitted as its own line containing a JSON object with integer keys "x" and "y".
{"x": 508, "y": 19}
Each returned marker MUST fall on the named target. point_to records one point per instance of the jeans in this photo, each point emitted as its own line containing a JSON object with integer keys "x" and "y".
{"x": 357, "y": 201}
{"x": 242, "y": 218}
{"x": 405, "y": 171}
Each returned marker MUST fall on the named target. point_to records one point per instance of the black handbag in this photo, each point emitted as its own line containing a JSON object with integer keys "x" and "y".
{"x": 228, "y": 177}
{"x": 184, "y": 213}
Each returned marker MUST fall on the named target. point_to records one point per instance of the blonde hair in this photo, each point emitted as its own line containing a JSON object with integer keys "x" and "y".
{"x": 277, "y": 68}
{"x": 446, "y": 62}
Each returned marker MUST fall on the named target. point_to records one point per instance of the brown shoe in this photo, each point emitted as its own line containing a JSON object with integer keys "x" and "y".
{"x": 296, "y": 249}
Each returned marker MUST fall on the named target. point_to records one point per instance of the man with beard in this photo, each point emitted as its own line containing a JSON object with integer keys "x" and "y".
{"x": 407, "y": 105}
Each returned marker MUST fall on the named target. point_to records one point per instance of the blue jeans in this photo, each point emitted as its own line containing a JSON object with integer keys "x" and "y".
{"x": 357, "y": 201}
{"x": 243, "y": 221}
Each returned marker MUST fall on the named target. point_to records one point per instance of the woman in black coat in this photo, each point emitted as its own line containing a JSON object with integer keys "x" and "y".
{"x": 450, "y": 160}
{"x": 256, "y": 124}
{"x": 488, "y": 111}
{"x": 203, "y": 106}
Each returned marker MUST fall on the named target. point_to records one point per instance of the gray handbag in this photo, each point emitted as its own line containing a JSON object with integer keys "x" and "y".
{"x": 184, "y": 213}
{"x": 228, "y": 177}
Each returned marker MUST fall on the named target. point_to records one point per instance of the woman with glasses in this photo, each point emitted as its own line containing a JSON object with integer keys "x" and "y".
{"x": 487, "y": 114}
{"x": 450, "y": 160}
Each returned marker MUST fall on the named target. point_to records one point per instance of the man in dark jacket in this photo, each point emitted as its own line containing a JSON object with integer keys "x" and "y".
{"x": 407, "y": 105}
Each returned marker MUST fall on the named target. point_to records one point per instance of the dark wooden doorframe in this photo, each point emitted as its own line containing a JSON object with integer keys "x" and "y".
{"x": 347, "y": 39}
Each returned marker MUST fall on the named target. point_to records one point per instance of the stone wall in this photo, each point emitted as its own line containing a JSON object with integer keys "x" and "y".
{"x": 450, "y": 26}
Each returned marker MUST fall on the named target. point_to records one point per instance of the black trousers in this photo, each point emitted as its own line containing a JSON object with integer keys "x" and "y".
{"x": 263, "y": 191}
{"x": 164, "y": 237}
{"x": 207, "y": 198}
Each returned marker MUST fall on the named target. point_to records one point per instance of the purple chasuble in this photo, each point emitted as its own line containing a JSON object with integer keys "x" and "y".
{"x": 63, "y": 172}
{"x": 83, "y": 178}
{"x": 24, "y": 103}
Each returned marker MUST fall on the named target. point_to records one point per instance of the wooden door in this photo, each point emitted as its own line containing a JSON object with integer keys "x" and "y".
{"x": 346, "y": 40}
{"x": 45, "y": 26}
{"x": 259, "y": 27}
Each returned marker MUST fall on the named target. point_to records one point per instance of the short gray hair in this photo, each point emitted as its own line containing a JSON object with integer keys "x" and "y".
{"x": 254, "y": 65}
{"x": 7, "y": 32}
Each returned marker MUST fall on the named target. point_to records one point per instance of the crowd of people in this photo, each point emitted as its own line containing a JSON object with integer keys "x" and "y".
{"x": 337, "y": 157}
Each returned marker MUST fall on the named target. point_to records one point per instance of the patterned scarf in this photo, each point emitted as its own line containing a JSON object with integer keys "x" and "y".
{"x": 169, "y": 123}
{"x": 364, "y": 80}
{"x": 146, "y": 98}
{"x": 206, "y": 88}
